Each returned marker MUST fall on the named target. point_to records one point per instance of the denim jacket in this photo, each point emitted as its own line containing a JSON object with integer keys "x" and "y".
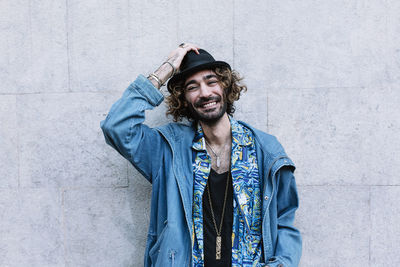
{"x": 163, "y": 155}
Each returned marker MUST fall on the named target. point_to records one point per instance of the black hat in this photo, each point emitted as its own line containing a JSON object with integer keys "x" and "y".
{"x": 193, "y": 62}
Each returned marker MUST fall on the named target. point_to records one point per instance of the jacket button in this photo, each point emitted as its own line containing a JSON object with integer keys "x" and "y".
{"x": 266, "y": 197}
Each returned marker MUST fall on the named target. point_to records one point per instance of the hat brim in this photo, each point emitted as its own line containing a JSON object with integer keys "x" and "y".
{"x": 184, "y": 74}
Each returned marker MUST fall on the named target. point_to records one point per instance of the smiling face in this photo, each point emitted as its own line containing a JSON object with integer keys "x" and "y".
{"x": 205, "y": 96}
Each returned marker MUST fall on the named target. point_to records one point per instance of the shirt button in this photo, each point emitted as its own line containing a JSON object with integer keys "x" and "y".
{"x": 280, "y": 265}
{"x": 266, "y": 197}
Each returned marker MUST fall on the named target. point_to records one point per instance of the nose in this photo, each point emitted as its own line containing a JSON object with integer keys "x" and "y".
{"x": 204, "y": 90}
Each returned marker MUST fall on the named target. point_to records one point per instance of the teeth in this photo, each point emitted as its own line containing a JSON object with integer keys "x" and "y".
{"x": 210, "y": 104}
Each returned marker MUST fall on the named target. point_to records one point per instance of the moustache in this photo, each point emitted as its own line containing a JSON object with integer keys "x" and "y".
{"x": 204, "y": 100}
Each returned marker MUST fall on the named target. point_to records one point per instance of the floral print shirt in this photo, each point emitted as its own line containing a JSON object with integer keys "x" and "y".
{"x": 247, "y": 204}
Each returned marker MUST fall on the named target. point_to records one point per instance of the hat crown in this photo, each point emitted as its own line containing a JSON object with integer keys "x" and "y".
{"x": 192, "y": 59}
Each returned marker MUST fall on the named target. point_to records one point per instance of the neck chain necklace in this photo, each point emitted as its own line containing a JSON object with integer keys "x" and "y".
{"x": 218, "y": 240}
{"x": 215, "y": 154}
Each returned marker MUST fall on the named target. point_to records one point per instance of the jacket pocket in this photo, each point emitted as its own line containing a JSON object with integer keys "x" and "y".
{"x": 155, "y": 250}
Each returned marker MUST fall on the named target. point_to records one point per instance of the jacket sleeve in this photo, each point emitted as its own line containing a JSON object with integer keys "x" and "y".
{"x": 289, "y": 244}
{"x": 124, "y": 130}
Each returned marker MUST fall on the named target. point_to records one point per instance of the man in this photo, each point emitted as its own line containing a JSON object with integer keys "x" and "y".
{"x": 223, "y": 193}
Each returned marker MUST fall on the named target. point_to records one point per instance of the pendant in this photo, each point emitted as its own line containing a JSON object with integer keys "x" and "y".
{"x": 218, "y": 162}
{"x": 218, "y": 242}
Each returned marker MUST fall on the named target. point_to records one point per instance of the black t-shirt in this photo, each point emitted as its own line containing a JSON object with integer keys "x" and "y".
{"x": 217, "y": 185}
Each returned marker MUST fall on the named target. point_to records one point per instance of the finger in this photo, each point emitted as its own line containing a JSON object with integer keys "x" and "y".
{"x": 195, "y": 49}
{"x": 192, "y": 47}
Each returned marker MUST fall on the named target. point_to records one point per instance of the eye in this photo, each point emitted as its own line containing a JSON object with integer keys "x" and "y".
{"x": 191, "y": 88}
{"x": 212, "y": 82}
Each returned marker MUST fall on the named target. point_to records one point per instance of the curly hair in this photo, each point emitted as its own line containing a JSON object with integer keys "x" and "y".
{"x": 230, "y": 80}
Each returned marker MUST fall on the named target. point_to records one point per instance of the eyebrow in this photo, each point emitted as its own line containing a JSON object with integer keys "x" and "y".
{"x": 206, "y": 77}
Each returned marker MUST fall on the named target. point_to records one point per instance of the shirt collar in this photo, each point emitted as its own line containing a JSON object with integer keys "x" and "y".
{"x": 198, "y": 140}
{"x": 240, "y": 134}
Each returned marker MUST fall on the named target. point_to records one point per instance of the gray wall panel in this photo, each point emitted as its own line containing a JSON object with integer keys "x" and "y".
{"x": 322, "y": 76}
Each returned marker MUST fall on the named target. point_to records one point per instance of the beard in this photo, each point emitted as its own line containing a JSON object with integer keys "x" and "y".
{"x": 210, "y": 116}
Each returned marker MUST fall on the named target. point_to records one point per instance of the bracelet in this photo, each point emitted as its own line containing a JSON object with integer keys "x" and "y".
{"x": 172, "y": 66}
{"x": 152, "y": 75}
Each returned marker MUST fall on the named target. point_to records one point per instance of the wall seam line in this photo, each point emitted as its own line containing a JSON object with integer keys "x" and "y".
{"x": 177, "y": 21}
{"x": 233, "y": 34}
{"x": 18, "y": 144}
{"x": 68, "y": 46}
{"x": 63, "y": 224}
{"x": 370, "y": 226}
{"x": 267, "y": 111}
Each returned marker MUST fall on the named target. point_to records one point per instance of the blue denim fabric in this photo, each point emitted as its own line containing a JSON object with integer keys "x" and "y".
{"x": 163, "y": 155}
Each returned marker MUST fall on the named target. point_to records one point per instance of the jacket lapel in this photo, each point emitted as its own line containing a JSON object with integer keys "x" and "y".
{"x": 182, "y": 165}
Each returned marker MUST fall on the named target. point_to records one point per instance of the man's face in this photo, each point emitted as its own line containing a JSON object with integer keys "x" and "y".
{"x": 205, "y": 96}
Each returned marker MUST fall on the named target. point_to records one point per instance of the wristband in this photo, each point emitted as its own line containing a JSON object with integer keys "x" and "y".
{"x": 152, "y": 75}
{"x": 172, "y": 66}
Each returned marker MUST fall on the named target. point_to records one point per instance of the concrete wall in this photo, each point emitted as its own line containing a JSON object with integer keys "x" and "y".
{"x": 323, "y": 76}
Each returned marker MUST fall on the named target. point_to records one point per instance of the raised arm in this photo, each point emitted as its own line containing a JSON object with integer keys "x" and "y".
{"x": 123, "y": 127}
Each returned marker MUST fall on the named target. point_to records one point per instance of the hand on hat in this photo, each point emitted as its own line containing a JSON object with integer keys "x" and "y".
{"x": 171, "y": 66}
{"x": 177, "y": 55}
